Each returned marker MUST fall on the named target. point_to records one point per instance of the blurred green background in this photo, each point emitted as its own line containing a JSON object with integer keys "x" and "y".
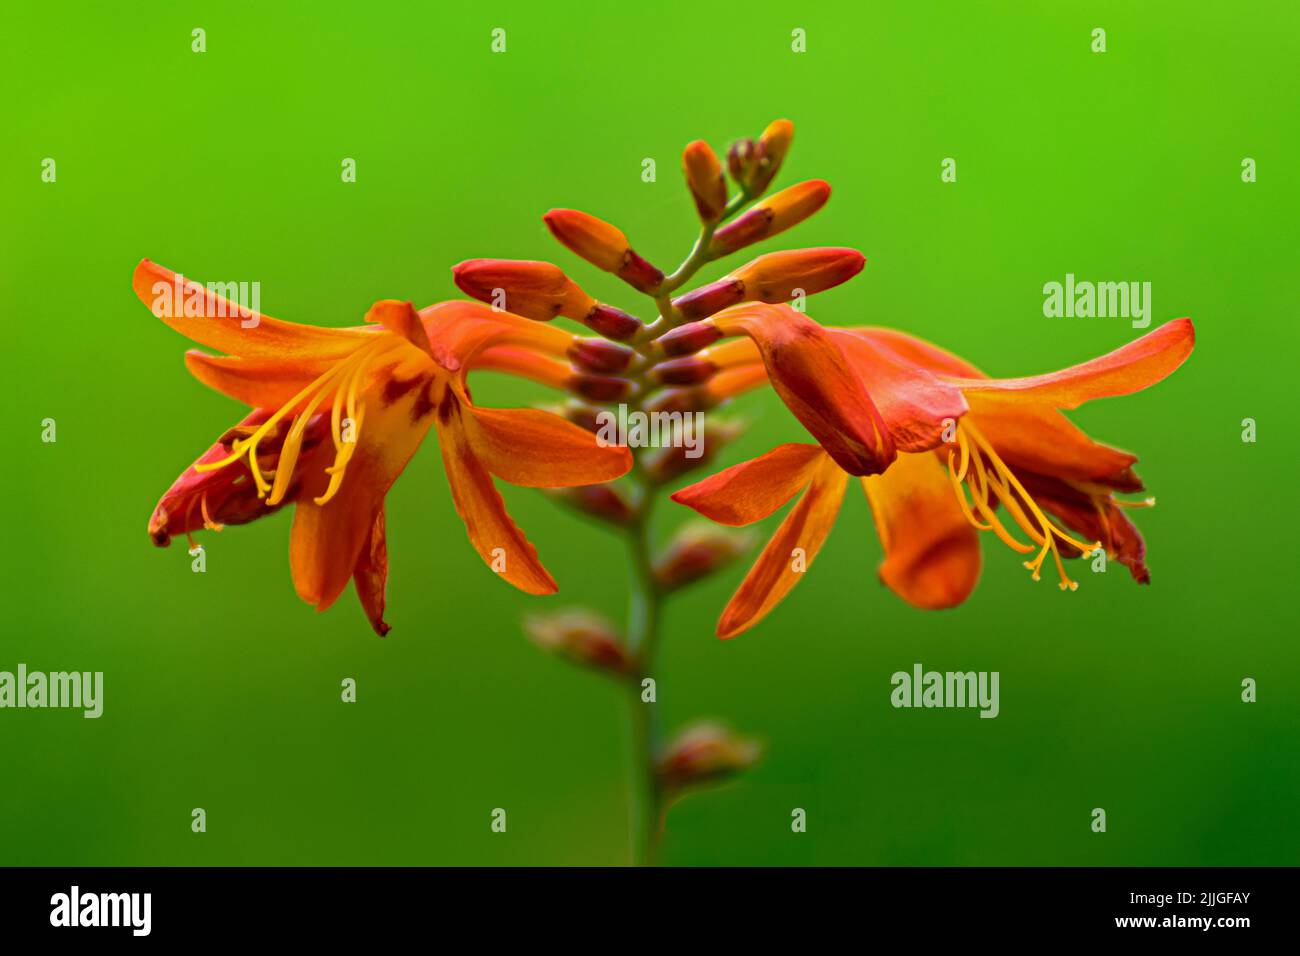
{"x": 222, "y": 689}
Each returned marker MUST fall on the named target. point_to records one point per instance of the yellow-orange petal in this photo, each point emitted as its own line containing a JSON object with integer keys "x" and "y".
{"x": 535, "y": 449}
{"x": 216, "y": 322}
{"x": 525, "y": 363}
{"x": 1129, "y": 368}
{"x": 754, "y": 489}
{"x": 932, "y": 553}
{"x": 789, "y": 553}
{"x": 493, "y": 534}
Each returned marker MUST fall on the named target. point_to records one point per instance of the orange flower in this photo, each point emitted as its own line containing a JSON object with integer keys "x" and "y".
{"x": 339, "y": 412}
{"x": 966, "y": 444}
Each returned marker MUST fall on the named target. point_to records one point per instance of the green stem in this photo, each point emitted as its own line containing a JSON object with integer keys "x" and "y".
{"x": 642, "y": 642}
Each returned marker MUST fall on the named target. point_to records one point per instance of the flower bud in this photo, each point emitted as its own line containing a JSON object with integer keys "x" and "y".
{"x": 708, "y": 299}
{"x": 774, "y": 215}
{"x": 535, "y": 290}
{"x": 689, "y": 399}
{"x": 604, "y": 246}
{"x": 580, "y": 636}
{"x": 754, "y": 165}
{"x": 688, "y": 370}
{"x": 704, "y": 177}
{"x": 696, "y": 551}
{"x": 611, "y": 322}
{"x": 600, "y": 388}
{"x": 697, "y": 449}
{"x": 599, "y": 355}
{"x": 705, "y": 753}
{"x": 777, "y": 276}
{"x": 604, "y": 502}
{"x": 688, "y": 339}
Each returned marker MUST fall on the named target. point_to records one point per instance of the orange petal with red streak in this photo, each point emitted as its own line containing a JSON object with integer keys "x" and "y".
{"x": 752, "y": 490}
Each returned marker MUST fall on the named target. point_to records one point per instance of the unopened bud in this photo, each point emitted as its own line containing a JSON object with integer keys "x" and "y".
{"x": 777, "y": 276}
{"x": 704, "y": 177}
{"x": 604, "y": 246}
{"x": 535, "y": 290}
{"x": 596, "y": 501}
{"x": 698, "y": 550}
{"x": 709, "y": 299}
{"x": 673, "y": 461}
{"x": 600, "y": 388}
{"x": 774, "y": 215}
{"x": 688, "y": 339}
{"x": 689, "y": 399}
{"x": 753, "y": 165}
{"x": 705, "y": 753}
{"x": 688, "y": 370}
{"x": 611, "y": 322}
{"x": 599, "y": 355}
{"x": 580, "y": 636}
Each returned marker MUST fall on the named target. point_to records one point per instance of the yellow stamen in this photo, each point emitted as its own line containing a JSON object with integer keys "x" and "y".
{"x": 207, "y": 518}
{"x": 991, "y": 482}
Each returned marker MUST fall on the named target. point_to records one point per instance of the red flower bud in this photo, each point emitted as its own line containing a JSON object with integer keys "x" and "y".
{"x": 580, "y": 636}
{"x": 774, "y": 215}
{"x": 599, "y": 355}
{"x": 604, "y": 246}
{"x": 688, "y": 370}
{"x": 704, "y": 177}
{"x": 709, "y": 299}
{"x": 596, "y": 501}
{"x": 754, "y": 165}
{"x": 705, "y": 753}
{"x": 600, "y": 388}
{"x": 688, "y": 339}
{"x": 611, "y": 322}
{"x": 698, "y": 550}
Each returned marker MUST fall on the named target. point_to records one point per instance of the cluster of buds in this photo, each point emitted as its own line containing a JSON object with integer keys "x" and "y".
{"x": 667, "y": 365}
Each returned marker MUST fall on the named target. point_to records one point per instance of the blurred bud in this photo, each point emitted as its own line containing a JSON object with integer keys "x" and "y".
{"x": 775, "y": 277}
{"x": 576, "y": 411}
{"x": 774, "y": 215}
{"x": 754, "y": 165}
{"x": 696, "y": 551}
{"x": 673, "y": 461}
{"x": 611, "y": 322}
{"x": 599, "y": 355}
{"x": 580, "y": 636}
{"x": 688, "y": 370}
{"x": 604, "y": 246}
{"x": 688, "y": 339}
{"x": 708, "y": 299}
{"x": 690, "y": 399}
{"x": 704, "y": 177}
{"x": 535, "y": 290}
{"x": 596, "y": 501}
{"x": 705, "y": 753}
{"x": 600, "y": 388}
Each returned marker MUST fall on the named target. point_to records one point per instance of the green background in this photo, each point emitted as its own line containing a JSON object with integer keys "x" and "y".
{"x": 222, "y": 689}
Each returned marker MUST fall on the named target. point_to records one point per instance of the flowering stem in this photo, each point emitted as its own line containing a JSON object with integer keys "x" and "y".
{"x": 642, "y": 642}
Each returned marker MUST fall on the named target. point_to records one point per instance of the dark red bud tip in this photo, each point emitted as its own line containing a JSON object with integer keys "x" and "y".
{"x": 601, "y": 388}
{"x": 580, "y": 636}
{"x": 705, "y": 753}
{"x": 640, "y": 274}
{"x": 600, "y": 355}
{"x": 710, "y": 299}
{"x": 690, "y": 370}
{"x": 687, "y": 399}
{"x": 689, "y": 339}
{"x": 697, "y": 551}
{"x": 597, "y": 501}
{"x": 612, "y": 323}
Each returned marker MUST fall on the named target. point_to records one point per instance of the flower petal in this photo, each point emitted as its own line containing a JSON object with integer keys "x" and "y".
{"x": 214, "y": 321}
{"x": 536, "y": 449}
{"x": 494, "y": 535}
{"x": 1129, "y": 368}
{"x": 752, "y": 490}
{"x": 932, "y": 553}
{"x": 810, "y": 373}
{"x": 370, "y": 576}
{"x": 773, "y": 574}
{"x": 916, "y": 405}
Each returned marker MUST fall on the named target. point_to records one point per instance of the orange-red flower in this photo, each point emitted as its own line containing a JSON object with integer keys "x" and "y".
{"x": 337, "y": 415}
{"x": 973, "y": 454}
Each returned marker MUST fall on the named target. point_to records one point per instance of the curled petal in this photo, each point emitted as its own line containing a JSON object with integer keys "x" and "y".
{"x": 813, "y": 378}
{"x": 370, "y": 576}
{"x": 752, "y": 490}
{"x": 932, "y": 553}
{"x": 789, "y": 553}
